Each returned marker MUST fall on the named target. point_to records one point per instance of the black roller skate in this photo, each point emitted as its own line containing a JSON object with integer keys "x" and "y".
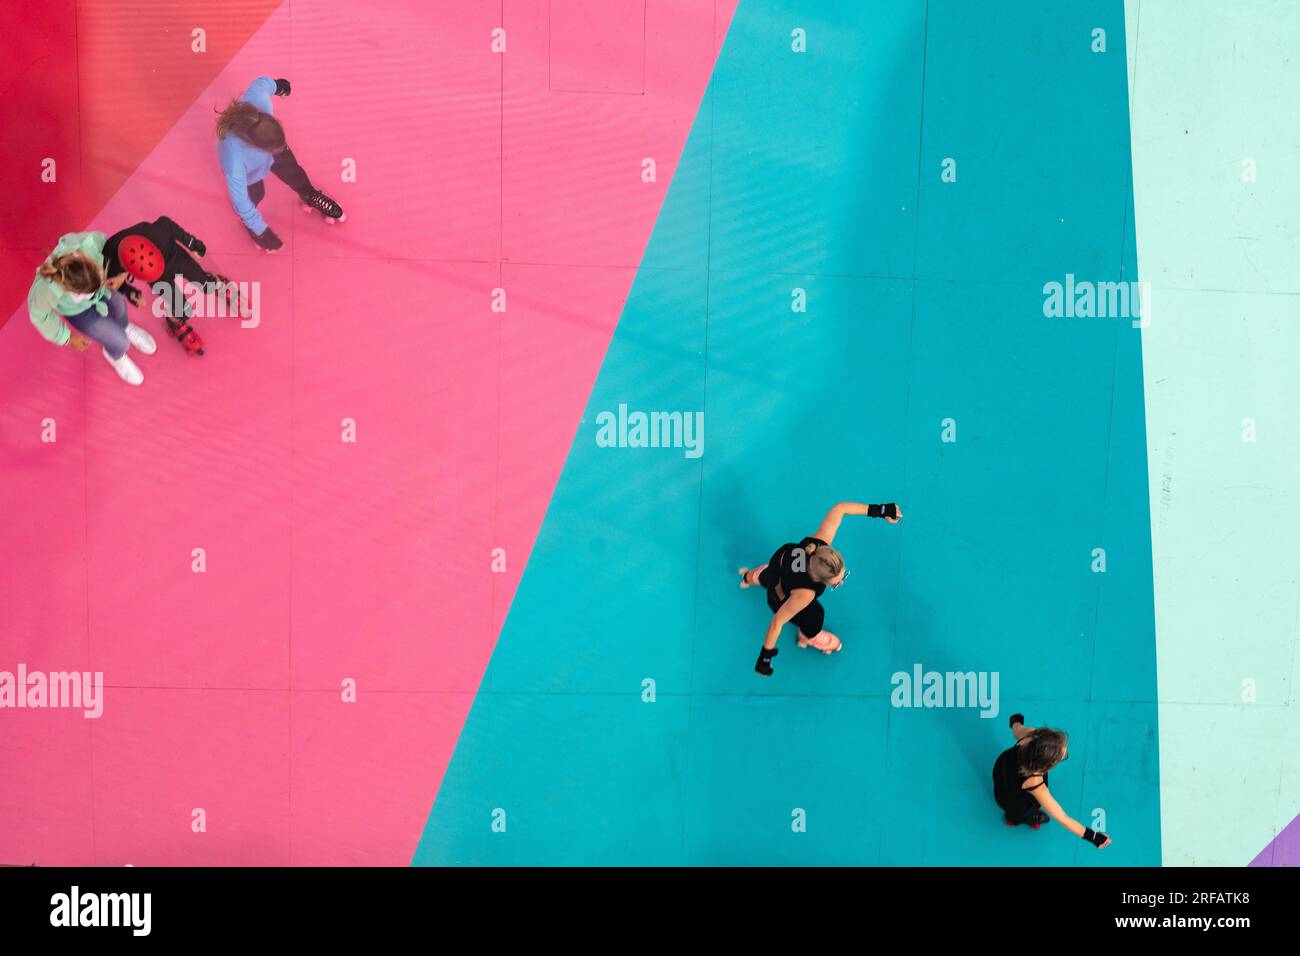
{"x": 317, "y": 201}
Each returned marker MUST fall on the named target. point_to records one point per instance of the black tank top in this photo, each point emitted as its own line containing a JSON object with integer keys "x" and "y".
{"x": 791, "y": 562}
{"x": 1008, "y": 782}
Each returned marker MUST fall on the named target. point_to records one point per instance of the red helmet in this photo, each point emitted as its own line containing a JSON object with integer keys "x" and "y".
{"x": 140, "y": 257}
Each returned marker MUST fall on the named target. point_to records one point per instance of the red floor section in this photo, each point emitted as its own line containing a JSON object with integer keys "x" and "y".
{"x": 95, "y": 86}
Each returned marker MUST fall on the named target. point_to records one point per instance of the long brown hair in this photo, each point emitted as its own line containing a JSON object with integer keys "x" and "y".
{"x": 1045, "y": 749}
{"x": 250, "y": 124}
{"x": 74, "y": 271}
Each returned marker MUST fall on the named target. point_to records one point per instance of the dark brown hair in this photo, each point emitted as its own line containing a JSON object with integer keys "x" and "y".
{"x": 74, "y": 271}
{"x": 251, "y": 125}
{"x": 1045, "y": 749}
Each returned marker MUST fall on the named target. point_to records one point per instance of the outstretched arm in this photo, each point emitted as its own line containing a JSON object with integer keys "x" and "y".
{"x": 799, "y": 599}
{"x": 1018, "y": 728}
{"x": 237, "y": 187}
{"x": 831, "y": 523}
{"x": 1053, "y": 810}
{"x": 260, "y": 91}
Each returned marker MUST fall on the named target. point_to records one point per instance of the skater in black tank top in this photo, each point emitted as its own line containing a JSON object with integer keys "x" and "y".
{"x": 1020, "y": 780}
{"x": 796, "y": 576}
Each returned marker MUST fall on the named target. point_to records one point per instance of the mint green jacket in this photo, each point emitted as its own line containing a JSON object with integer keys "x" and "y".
{"x": 48, "y": 302}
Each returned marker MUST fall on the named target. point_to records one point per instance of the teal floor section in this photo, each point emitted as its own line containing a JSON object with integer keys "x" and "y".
{"x": 620, "y": 721}
{"x": 1209, "y": 83}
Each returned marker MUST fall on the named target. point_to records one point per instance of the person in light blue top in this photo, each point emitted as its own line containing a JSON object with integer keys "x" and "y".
{"x": 250, "y": 144}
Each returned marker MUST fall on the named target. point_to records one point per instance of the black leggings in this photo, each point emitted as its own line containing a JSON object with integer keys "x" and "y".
{"x": 176, "y": 258}
{"x": 1018, "y": 804}
{"x": 286, "y": 167}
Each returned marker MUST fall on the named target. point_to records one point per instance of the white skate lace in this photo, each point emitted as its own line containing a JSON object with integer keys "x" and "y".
{"x": 323, "y": 203}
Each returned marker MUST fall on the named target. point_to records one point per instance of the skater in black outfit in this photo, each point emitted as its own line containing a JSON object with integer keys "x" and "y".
{"x": 160, "y": 251}
{"x": 1020, "y": 781}
{"x": 798, "y": 574}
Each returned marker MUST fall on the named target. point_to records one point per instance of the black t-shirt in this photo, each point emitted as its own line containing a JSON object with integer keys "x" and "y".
{"x": 791, "y": 565}
{"x": 1008, "y": 783}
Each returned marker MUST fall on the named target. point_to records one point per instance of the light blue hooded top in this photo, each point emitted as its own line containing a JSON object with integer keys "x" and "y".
{"x": 244, "y": 164}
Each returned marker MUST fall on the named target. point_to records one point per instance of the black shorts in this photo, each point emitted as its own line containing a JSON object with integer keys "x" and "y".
{"x": 809, "y": 620}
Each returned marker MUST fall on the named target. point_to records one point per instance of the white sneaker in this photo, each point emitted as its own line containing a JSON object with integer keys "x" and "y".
{"x": 140, "y": 339}
{"x": 126, "y": 369}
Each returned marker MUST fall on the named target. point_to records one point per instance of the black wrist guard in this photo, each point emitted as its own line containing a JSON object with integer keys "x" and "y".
{"x": 882, "y": 511}
{"x": 764, "y": 665}
{"x": 1095, "y": 837}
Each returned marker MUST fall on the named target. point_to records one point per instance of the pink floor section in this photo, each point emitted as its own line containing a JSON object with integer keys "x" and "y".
{"x": 329, "y": 561}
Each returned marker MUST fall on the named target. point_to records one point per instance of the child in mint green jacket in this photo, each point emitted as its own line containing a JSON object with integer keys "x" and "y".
{"x": 71, "y": 303}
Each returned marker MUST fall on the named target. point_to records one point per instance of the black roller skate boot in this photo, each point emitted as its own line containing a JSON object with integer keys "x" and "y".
{"x": 317, "y": 201}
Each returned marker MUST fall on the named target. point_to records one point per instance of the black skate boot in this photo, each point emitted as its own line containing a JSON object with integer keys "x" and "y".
{"x": 317, "y": 201}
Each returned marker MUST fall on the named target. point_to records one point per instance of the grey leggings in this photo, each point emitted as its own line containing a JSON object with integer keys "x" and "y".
{"x": 108, "y": 330}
